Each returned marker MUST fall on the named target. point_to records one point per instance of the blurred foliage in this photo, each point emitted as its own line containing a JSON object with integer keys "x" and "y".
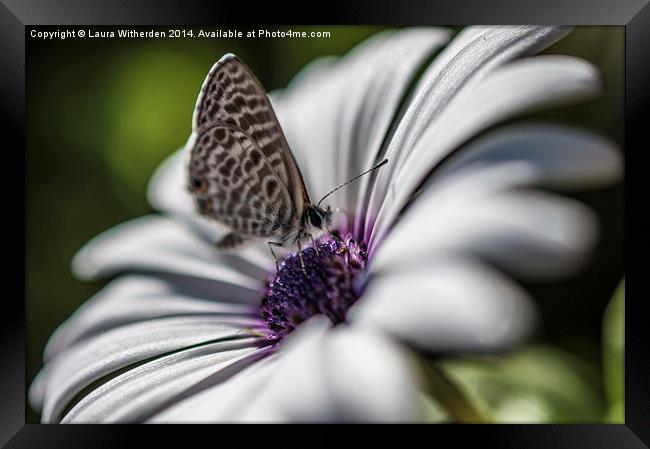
{"x": 539, "y": 383}
{"x": 535, "y": 385}
{"x": 614, "y": 356}
{"x": 447, "y": 399}
{"x": 102, "y": 113}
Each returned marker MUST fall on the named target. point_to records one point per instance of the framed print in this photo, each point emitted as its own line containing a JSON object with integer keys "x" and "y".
{"x": 357, "y": 222}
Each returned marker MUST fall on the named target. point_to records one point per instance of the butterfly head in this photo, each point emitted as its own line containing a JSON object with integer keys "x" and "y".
{"x": 317, "y": 217}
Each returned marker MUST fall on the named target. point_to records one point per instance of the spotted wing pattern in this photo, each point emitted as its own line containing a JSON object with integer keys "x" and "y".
{"x": 232, "y": 95}
{"x": 234, "y": 183}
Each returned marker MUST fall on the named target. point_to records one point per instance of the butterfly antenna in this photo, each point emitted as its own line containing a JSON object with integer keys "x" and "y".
{"x": 353, "y": 179}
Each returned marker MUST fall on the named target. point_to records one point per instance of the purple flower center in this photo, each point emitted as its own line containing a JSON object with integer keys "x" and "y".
{"x": 329, "y": 284}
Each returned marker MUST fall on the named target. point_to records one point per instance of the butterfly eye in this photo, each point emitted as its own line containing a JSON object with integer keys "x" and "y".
{"x": 315, "y": 219}
{"x": 197, "y": 183}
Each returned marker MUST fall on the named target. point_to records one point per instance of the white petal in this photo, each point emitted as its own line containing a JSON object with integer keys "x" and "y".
{"x": 455, "y": 72}
{"x": 130, "y": 299}
{"x": 144, "y": 390}
{"x": 157, "y": 244}
{"x": 81, "y": 365}
{"x": 515, "y": 88}
{"x": 370, "y": 378}
{"x": 296, "y": 385}
{"x": 532, "y": 234}
{"x": 563, "y": 157}
{"x": 223, "y": 402}
{"x": 37, "y": 389}
{"x": 307, "y": 111}
{"x": 375, "y": 89}
{"x": 339, "y": 375}
{"x": 448, "y": 305}
{"x": 297, "y": 111}
{"x": 336, "y": 116}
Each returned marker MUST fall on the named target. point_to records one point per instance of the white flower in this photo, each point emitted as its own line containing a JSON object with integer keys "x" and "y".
{"x": 170, "y": 340}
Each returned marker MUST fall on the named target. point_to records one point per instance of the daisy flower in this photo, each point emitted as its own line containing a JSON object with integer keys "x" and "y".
{"x": 185, "y": 333}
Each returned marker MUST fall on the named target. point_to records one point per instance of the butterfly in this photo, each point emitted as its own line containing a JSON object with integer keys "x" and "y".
{"x": 242, "y": 172}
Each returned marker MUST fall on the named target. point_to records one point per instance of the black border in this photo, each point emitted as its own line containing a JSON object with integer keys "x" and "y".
{"x": 633, "y": 14}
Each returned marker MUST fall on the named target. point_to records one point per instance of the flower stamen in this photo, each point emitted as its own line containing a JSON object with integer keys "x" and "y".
{"x": 325, "y": 283}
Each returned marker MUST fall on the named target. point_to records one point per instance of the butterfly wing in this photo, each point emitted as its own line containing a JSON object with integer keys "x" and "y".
{"x": 232, "y": 95}
{"x": 234, "y": 183}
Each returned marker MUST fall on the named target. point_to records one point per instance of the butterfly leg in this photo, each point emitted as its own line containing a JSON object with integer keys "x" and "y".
{"x": 343, "y": 248}
{"x": 302, "y": 262}
{"x": 271, "y": 245}
{"x": 313, "y": 244}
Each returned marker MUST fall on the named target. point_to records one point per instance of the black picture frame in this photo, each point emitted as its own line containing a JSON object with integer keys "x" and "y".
{"x": 634, "y": 15}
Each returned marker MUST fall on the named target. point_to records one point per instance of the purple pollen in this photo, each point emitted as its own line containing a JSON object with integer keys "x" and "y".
{"x": 328, "y": 285}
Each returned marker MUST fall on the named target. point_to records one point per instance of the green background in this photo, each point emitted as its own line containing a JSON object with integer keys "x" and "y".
{"x": 102, "y": 114}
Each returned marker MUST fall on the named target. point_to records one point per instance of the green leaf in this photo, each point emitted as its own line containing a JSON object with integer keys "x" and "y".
{"x": 537, "y": 384}
{"x": 448, "y": 400}
{"x": 614, "y": 355}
